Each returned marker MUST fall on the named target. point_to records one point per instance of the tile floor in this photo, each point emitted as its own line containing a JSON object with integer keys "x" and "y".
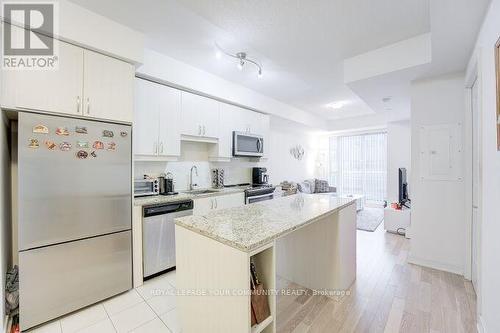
{"x": 149, "y": 308}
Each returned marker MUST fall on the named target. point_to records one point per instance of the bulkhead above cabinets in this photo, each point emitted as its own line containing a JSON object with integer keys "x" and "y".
{"x": 165, "y": 116}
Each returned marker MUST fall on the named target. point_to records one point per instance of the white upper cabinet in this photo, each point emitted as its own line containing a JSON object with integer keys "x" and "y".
{"x": 199, "y": 116}
{"x": 146, "y": 115}
{"x": 156, "y": 120}
{"x": 108, "y": 87}
{"x": 59, "y": 91}
{"x": 85, "y": 83}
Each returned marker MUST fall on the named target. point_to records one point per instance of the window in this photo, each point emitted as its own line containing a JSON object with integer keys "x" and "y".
{"x": 358, "y": 165}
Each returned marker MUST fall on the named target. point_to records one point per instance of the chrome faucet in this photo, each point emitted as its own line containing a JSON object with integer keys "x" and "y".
{"x": 191, "y": 185}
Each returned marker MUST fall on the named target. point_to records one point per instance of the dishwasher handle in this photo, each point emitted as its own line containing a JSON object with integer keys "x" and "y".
{"x": 168, "y": 208}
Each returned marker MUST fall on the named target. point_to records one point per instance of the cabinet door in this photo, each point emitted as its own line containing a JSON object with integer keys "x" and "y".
{"x": 229, "y": 201}
{"x": 226, "y": 128}
{"x": 108, "y": 87}
{"x": 264, "y": 131}
{"x": 51, "y": 90}
{"x": 191, "y": 114}
{"x": 202, "y": 206}
{"x": 200, "y": 116}
{"x": 170, "y": 119}
{"x": 146, "y": 115}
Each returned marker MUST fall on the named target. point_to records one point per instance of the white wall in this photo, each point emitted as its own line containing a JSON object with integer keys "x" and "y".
{"x": 280, "y": 164}
{"x": 160, "y": 67}
{"x": 490, "y": 208}
{"x": 398, "y": 156}
{"x": 438, "y": 207}
{"x": 4, "y": 212}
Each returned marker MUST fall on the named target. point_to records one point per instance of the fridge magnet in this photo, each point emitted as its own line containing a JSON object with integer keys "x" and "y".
{"x": 82, "y": 144}
{"x": 82, "y": 154}
{"x": 62, "y": 131}
{"x": 81, "y": 130}
{"x": 51, "y": 145}
{"x": 33, "y": 143}
{"x": 65, "y": 146}
{"x": 41, "y": 129}
{"x": 98, "y": 145}
{"x": 93, "y": 154}
{"x": 111, "y": 146}
{"x": 108, "y": 134}
{"x": 123, "y": 134}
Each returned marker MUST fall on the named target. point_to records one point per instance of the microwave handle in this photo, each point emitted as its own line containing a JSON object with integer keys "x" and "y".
{"x": 259, "y": 146}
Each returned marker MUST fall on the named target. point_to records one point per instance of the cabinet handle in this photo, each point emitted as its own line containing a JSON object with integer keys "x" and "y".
{"x": 88, "y": 105}
{"x": 161, "y": 147}
{"x": 155, "y": 147}
{"x": 199, "y": 129}
{"x": 216, "y": 203}
{"x": 212, "y": 203}
{"x": 203, "y": 129}
{"x": 77, "y": 104}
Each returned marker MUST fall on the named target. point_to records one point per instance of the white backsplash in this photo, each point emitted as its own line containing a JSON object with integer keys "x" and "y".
{"x": 235, "y": 172}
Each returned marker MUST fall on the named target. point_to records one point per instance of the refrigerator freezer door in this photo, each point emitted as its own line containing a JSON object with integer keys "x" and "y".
{"x": 69, "y": 190}
{"x": 59, "y": 279}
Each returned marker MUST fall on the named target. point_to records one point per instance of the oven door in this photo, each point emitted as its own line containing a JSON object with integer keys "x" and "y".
{"x": 246, "y": 144}
{"x": 257, "y": 198}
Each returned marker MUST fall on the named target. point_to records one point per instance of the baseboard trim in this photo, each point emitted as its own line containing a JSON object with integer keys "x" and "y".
{"x": 436, "y": 265}
{"x": 480, "y": 326}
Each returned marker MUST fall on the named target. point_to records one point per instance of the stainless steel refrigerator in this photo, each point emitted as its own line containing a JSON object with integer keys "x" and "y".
{"x": 74, "y": 214}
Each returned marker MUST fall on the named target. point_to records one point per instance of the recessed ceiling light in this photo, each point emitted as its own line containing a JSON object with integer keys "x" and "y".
{"x": 337, "y": 105}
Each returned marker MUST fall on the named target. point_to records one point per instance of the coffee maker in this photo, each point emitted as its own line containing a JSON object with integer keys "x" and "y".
{"x": 259, "y": 176}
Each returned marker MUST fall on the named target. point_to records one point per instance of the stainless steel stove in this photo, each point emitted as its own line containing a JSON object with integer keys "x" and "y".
{"x": 260, "y": 192}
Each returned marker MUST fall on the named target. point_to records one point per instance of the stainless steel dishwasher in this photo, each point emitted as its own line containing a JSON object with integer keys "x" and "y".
{"x": 158, "y": 235}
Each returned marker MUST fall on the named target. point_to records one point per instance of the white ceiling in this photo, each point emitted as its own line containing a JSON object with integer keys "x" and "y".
{"x": 301, "y": 44}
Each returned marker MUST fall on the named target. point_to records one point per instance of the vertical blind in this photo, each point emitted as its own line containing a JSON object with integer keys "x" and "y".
{"x": 358, "y": 165}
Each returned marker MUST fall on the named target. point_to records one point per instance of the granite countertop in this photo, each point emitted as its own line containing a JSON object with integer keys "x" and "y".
{"x": 160, "y": 199}
{"x": 251, "y": 226}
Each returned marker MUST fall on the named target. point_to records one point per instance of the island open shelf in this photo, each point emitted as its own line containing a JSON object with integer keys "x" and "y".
{"x": 315, "y": 247}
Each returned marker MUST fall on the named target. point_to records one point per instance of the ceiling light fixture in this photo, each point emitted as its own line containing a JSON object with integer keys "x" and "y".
{"x": 242, "y": 59}
{"x": 337, "y": 105}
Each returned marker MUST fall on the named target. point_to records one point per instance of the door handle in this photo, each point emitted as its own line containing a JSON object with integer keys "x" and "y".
{"x": 77, "y": 104}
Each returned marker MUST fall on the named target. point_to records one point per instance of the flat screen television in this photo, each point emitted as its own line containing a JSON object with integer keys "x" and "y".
{"x": 403, "y": 187}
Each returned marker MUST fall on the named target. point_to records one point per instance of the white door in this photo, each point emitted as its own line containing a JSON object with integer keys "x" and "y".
{"x": 202, "y": 206}
{"x": 170, "y": 119}
{"x": 58, "y": 90}
{"x": 476, "y": 223}
{"x": 108, "y": 87}
{"x": 191, "y": 114}
{"x": 146, "y": 118}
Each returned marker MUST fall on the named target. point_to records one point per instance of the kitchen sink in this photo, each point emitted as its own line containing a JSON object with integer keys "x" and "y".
{"x": 206, "y": 191}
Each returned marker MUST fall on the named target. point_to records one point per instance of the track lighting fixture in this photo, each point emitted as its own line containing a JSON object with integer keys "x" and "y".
{"x": 241, "y": 57}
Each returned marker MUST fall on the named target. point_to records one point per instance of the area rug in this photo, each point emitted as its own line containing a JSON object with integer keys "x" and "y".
{"x": 370, "y": 218}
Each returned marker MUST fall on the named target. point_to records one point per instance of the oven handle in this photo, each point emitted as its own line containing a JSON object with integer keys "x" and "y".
{"x": 260, "y": 196}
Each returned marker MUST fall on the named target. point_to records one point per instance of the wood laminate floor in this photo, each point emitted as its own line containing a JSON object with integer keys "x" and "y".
{"x": 389, "y": 295}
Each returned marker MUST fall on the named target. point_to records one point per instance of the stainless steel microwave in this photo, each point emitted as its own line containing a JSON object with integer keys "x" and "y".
{"x": 247, "y": 144}
{"x": 145, "y": 187}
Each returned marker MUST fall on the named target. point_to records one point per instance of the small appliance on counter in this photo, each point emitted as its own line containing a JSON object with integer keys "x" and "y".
{"x": 167, "y": 184}
{"x": 146, "y": 187}
{"x": 259, "y": 176}
{"x": 218, "y": 178}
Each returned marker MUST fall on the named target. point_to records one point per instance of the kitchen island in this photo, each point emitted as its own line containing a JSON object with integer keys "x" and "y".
{"x": 309, "y": 239}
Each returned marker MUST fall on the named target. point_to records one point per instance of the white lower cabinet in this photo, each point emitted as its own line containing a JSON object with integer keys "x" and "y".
{"x": 203, "y": 206}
